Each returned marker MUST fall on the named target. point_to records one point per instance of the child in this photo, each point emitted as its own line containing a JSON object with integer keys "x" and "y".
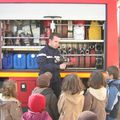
{"x": 43, "y": 83}
{"x": 87, "y": 115}
{"x": 95, "y": 96}
{"x": 10, "y": 107}
{"x": 113, "y": 90}
{"x": 71, "y": 100}
{"x": 36, "y": 104}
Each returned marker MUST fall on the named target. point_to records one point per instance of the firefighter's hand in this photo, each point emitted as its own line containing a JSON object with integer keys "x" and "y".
{"x": 62, "y": 66}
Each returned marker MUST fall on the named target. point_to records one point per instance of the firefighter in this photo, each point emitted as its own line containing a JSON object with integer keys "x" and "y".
{"x": 49, "y": 60}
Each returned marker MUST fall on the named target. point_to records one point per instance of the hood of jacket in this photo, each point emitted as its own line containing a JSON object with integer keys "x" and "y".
{"x": 100, "y": 94}
{"x": 44, "y": 91}
{"x": 2, "y": 103}
{"x": 69, "y": 106}
{"x": 5, "y": 99}
{"x": 74, "y": 99}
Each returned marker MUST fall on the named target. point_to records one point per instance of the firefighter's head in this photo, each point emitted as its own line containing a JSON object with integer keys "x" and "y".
{"x": 54, "y": 40}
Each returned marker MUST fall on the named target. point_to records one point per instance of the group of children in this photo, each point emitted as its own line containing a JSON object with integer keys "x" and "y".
{"x": 99, "y": 101}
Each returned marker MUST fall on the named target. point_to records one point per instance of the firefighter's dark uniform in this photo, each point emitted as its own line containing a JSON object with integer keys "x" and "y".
{"x": 48, "y": 59}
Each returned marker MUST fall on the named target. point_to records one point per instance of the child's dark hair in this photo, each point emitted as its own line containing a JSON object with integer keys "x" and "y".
{"x": 113, "y": 70}
{"x": 44, "y": 80}
{"x": 72, "y": 84}
{"x": 54, "y": 34}
{"x": 96, "y": 80}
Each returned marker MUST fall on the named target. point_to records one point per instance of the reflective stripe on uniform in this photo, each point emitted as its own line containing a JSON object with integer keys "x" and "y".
{"x": 50, "y": 57}
{"x": 44, "y": 55}
{"x": 41, "y": 54}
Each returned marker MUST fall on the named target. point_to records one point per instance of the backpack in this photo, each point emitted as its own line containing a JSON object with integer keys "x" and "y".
{"x": 116, "y": 107}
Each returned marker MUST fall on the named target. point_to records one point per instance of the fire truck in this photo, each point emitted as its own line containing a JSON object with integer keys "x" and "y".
{"x": 88, "y": 31}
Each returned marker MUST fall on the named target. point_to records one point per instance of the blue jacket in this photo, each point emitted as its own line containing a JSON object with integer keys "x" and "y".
{"x": 49, "y": 59}
{"x": 113, "y": 94}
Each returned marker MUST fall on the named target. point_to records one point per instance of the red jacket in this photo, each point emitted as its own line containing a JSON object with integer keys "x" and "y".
{"x": 36, "y": 116}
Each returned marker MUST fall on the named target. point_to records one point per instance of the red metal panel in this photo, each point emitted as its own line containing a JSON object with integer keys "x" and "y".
{"x": 112, "y": 40}
{"x": 54, "y": 1}
{"x": 24, "y": 88}
{"x": 22, "y": 95}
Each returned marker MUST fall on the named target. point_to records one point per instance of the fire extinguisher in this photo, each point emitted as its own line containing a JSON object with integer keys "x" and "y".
{"x": 82, "y": 58}
{"x": 73, "y": 59}
{"x": 92, "y": 58}
{"x": 87, "y": 58}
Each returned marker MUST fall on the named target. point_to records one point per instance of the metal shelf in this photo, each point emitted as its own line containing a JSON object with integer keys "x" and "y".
{"x": 78, "y": 55}
{"x": 25, "y": 37}
{"x": 23, "y": 48}
{"x": 68, "y": 40}
{"x": 76, "y": 68}
{"x": 63, "y": 40}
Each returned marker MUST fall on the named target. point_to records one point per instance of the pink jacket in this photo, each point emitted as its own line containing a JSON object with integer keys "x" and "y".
{"x": 36, "y": 116}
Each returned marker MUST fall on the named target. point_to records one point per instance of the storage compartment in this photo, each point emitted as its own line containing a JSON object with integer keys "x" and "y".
{"x": 7, "y": 61}
{"x": 82, "y": 42}
{"x": 19, "y": 61}
{"x": 85, "y": 55}
{"x": 31, "y": 61}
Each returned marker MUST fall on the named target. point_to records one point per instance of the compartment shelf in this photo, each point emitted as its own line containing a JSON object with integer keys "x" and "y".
{"x": 22, "y": 48}
{"x": 77, "y": 55}
{"x": 82, "y": 51}
{"x": 68, "y": 40}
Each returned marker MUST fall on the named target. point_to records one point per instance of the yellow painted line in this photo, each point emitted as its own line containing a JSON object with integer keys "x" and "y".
{"x": 35, "y": 74}
{"x": 18, "y": 74}
{"x": 81, "y": 75}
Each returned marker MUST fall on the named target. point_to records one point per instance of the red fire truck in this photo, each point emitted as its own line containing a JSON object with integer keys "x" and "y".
{"x": 89, "y": 37}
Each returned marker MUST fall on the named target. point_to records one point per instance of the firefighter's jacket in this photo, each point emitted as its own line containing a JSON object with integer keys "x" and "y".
{"x": 49, "y": 59}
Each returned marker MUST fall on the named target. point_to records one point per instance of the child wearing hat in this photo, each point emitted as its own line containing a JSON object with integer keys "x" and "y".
{"x": 36, "y": 104}
{"x": 43, "y": 88}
